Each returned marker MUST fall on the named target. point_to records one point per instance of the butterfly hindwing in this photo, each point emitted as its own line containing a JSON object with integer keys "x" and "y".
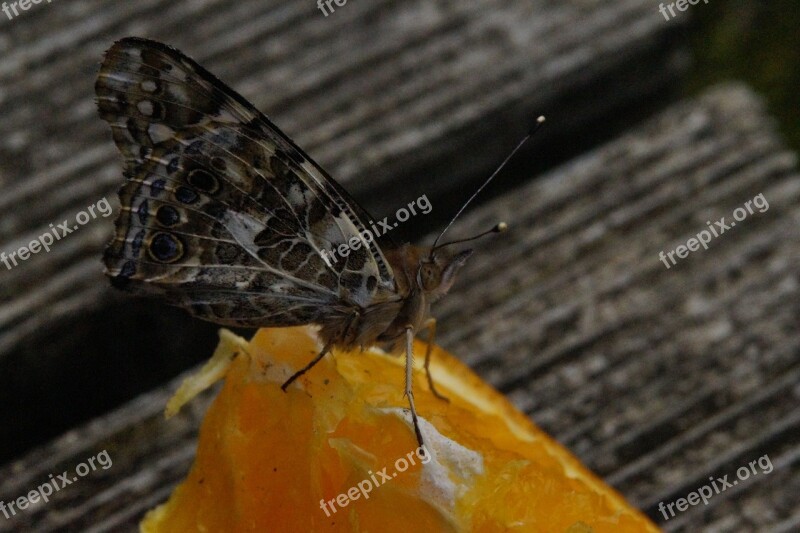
{"x": 221, "y": 212}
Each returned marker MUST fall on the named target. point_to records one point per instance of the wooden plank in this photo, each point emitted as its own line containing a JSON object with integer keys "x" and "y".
{"x": 657, "y": 378}
{"x": 386, "y": 95}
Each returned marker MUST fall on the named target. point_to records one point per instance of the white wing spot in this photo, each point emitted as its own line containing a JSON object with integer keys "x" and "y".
{"x": 160, "y": 133}
{"x": 145, "y": 107}
{"x": 149, "y": 86}
{"x": 295, "y": 196}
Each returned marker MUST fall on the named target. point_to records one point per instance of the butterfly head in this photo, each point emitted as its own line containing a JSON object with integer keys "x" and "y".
{"x": 437, "y": 271}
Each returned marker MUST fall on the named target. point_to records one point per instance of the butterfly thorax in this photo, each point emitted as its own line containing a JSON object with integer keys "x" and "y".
{"x": 421, "y": 278}
{"x": 415, "y": 309}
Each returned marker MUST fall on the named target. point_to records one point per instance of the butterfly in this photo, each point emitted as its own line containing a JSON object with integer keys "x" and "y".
{"x": 223, "y": 215}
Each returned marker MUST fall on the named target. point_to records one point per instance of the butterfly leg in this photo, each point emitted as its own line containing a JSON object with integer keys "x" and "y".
{"x": 308, "y": 367}
{"x": 321, "y": 354}
{"x": 430, "y": 325}
{"x": 408, "y": 391}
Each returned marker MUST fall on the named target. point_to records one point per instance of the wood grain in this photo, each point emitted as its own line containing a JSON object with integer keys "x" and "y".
{"x": 656, "y": 378}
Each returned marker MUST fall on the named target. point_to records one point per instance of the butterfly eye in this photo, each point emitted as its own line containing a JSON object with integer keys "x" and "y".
{"x": 428, "y": 276}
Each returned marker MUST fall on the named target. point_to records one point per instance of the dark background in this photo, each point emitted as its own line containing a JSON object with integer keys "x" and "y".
{"x": 755, "y": 42}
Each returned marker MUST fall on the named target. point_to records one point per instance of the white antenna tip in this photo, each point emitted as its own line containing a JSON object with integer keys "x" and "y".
{"x": 501, "y": 227}
{"x": 541, "y": 119}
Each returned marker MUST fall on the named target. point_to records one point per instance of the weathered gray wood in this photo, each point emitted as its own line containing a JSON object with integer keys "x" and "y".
{"x": 656, "y": 378}
{"x": 149, "y": 456}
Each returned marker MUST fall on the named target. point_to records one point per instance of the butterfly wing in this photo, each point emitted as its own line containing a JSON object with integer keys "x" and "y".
{"x": 221, "y": 212}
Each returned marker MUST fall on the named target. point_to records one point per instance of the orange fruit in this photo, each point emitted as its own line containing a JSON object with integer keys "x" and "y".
{"x": 336, "y": 452}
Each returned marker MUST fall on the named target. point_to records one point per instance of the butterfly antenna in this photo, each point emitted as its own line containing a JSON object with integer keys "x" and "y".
{"x": 496, "y": 229}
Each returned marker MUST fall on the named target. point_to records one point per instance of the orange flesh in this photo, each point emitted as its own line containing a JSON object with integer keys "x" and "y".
{"x": 266, "y": 458}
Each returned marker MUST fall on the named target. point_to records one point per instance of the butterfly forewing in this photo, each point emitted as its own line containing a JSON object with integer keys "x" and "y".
{"x": 221, "y": 212}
